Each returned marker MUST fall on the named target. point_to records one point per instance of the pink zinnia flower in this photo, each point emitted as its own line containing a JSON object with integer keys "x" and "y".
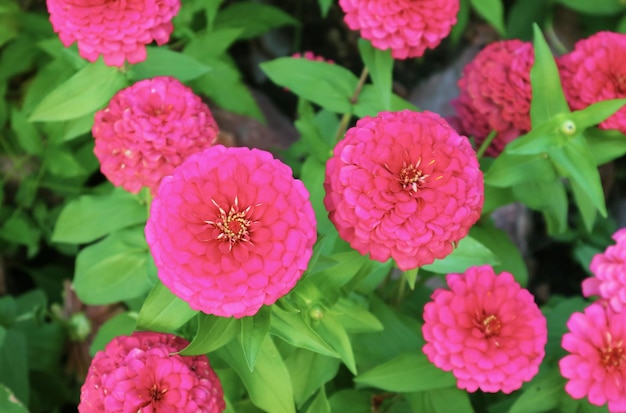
{"x": 609, "y": 269}
{"x": 148, "y": 129}
{"x": 407, "y": 27}
{"x": 596, "y": 365}
{"x": 495, "y": 93}
{"x": 117, "y": 30}
{"x": 231, "y": 230}
{"x": 308, "y": 55}
{"x": 595, "y": 71}
{"x": 486, "y": 329}
{"x": 403, "y": 185}
{"x": 140, "y": 373}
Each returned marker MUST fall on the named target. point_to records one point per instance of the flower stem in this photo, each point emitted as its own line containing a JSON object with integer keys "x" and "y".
{"x": 481, "y": 151}
{"x": 345, "y": 120}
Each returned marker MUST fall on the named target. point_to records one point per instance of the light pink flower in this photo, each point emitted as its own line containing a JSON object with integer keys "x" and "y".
{"x": 116, "y": 29}
{"x": 407, "y": 27}
{"x": 486, "y": 329}
{"x": 609, "y": 269}
{"x": 596, "y": 365}
{"x": 403, "y": 185}
{"x": 231, "y": 230}
{"x": 148, "y": 129}
{"x": 139, "y": 373}
{"x": 495, "y": 93}
{"x": 595, "y": 71}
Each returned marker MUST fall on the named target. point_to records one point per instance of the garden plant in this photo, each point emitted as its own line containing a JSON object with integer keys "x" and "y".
{"x": 312, "y": 206}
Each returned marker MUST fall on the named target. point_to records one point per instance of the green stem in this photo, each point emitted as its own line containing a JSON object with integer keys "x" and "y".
{"x": 345, "y": 120}
{"x": 481, "y": 151}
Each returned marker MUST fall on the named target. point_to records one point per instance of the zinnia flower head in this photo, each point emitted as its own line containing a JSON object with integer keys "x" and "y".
{"x": 403, "y": 185}
{"x": 407, "y": 27}
{"x": 609, "y": 269}
{"x": 140, "y": 373}
{"x": 595, "y": 71}
{"x": 148, "y": 129}
{"x": 117, "y": 30}
{"x": 231, "y": 230}
{"x": 596, "y": 365}
{"x": 486, "y": 329}
{"x": 495, "y": 93}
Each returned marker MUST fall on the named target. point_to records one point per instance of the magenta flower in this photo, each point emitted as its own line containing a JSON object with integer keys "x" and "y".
{"x": 140, "y": 373}
{"x": 596, "y": 365}
{"x": 403, "y": 185}
{"x": 309, "y": 55}
{"x": 595, "y": 71}
{"x": 117, "y": 30}
{"x": 148, "y": 129}
{"x": 609, "y": 269}
{"x": 407, "y": 27}
{"x": 231, "y": 230}
{"x": 495, "y": 93}
{"x": 486, "y": 329}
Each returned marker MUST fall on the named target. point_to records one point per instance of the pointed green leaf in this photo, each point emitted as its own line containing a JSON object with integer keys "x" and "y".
{"x": 113, "y": 269}
{"x": 213, "y": 333}
{"x": 9, "y": 403}
{"x": 81, "y": 219}
{"x": 14, "y": 363}
{"x": 440, "y": 401}
{"x": 409, "y": 372}
{"x": 253, "y": 332}
{"x": 320, "y": 403}
{"x": 492, "y": 11}
{"x": 508, "y": 170}
{"x": 120, "y": 325}
{"x": 326, "y": 84}
{"x": 597, "y": 7}
{"x": 163, "y": 311}
{"x": 411, "y": 276}
{"x": 576, "y": 161}
{"x": 292, "y": 328}
{"x": 468, "y": 253}
{"x": 540, "y": 139}
{"x": 269, "y": 386}
{"x": 605, "y": 145}
{"x": 548, "y": 99}
{"x": 585, "y": 205}
{"x": 309, "y": 371}
{"x": 549, "y": 197}
{"x": 332, "y": 332}
{"x": 369, "y": 103}
{"x": 596, "y": 113}
{"x": 254, "y": 18}
{"x": 355, "y": 317}
{"x": 541, "y": 395}
{"x": 380, "y": 66}
{"x": 87, "y": 91}
{"x": 161, "y": 61}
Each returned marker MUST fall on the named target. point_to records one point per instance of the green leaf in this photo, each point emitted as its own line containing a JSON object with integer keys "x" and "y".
{"x": 492, "y": 11}
{"x": 549, "y": 197}
{"x": 213, "y": 333}
{"x": 585, "y": 205}
{"x": 253, "y": 18}
{"x": 326, "y": 84}
{"x": 292, "y": 328}
{"x": 605, "y": 145}
{"x": 9, "y": 403}
{"x": 369, "y": 103}
{"x": 380, "y": 66}
{"x": 468, "y": 253}
{"x": 87, "y": 91}
{"x": 212, "y": 43}
{"x": 541, "y": 395}
{"x": 332, "y": 332}
{"x": 113, "y": 269}
{"x": 8, "y": 310}
{"x": 121, "y": 325}
{"x": 540, "y": 139}
{"x": 409, "y": 372}
{"x": 163, "y": 311}
{"x": 14, "y": 363}
{"x": 351, "y": 401}
{"x": 576, "y": 161}
{"x": 355, "y": 317}
{"x": 81, "y": 220}
{"x": 440, "y": 401}
{"x": 325, "y": 6}
{"x": 253, "y": 332}
{"x": 548, "y": 99}
{"x": 164, "y": 62}
{"x": 557, "y": 318}
{"x": 309, "y": 371}
{"x": 596, "y": 113}
{"x": 320, "y": 403}
{"x": 312, "y": 175}
{"x": 269, "y": 386}
{"x": 27, "y": 136}
{"x": 21, "y": 229}
{"x": 508, "y": 170}
{"x": 598, "y": 7}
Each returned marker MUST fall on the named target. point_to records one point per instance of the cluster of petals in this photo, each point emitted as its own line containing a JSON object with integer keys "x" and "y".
{"x": 119, "y": 30}
{"x": 495, "y": 93}
{"x": 231, "y": 230}
{"x": 486, "y": 329}
{"x": 407, "y": 27}
{"x": 309, "y": 55}
{"x": 596, "y": 364}
{"x": 403, "y": 185}
{"x": 140, "y": 373}
{"x": 148, "y": 129}
{"x": 609, "y": 269}
{"x": 595, "y": 71}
